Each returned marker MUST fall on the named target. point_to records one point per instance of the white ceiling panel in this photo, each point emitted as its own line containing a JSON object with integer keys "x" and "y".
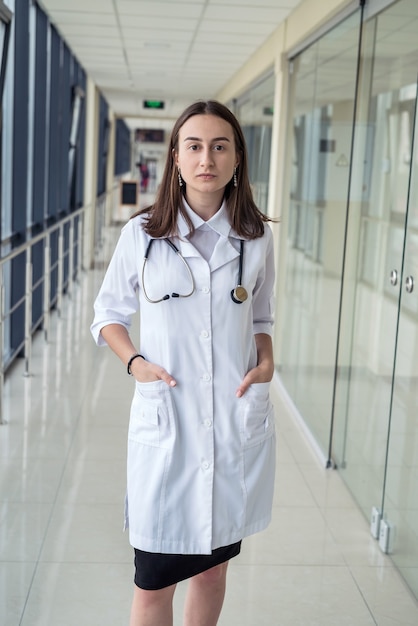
{"x": 93, "y": 46}
{"x": 165, "y": 3}
{"x": 233, "y": 26}
{"x": 229, "y": 39}
{"x": 72, "y": 17}
{"x": 141, "y": 24}
{"x": 90, "y": 30}
{"x": 165, "y": 10}
{"x": 156, "y": 37}
{"x": 79, "y": 6}
{"x": 283, "y": 4}
{"x": 177, "y": 51}
{"x": 271, "y": 15}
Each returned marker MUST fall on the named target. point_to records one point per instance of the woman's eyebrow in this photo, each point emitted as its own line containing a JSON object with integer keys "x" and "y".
{"x": 199, "y": 139}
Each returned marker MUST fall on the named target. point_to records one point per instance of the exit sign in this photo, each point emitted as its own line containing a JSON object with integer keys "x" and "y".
{"x": 153, "y": 104}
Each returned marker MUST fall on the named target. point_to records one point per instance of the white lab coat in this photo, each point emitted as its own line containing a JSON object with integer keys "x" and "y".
{"x": 201, "y": 461}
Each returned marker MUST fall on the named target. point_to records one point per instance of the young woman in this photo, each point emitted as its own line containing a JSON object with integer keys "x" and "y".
{"x": 198, "y": 265}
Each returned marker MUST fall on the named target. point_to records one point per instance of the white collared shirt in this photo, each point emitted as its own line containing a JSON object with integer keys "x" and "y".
{"x": 205, "y": 235}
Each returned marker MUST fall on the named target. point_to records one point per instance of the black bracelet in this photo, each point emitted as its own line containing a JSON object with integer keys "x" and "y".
{"x": 133, "y": 357}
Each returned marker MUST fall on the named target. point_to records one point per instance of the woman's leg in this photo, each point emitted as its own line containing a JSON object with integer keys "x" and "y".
{"x": 152, "y": 608}
{"x": 205, "y": 597}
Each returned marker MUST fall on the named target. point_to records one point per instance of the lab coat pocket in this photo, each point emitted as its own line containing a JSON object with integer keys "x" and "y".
{"x": 257, "y": 415}
{"x": 151, "y": 418}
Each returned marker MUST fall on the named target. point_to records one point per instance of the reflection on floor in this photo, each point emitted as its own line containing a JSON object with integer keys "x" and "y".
{"x": 64, "y": 560}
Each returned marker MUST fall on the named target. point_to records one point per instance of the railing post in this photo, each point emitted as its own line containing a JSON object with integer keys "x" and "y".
{"x": 47, "y": 286}
{"x": 71, "y": 258}
{"x": 2, "y": 421}
{"x": 28, "y": 312}
{"x": 80, "y": 235}
{"x": 60, "y": 269}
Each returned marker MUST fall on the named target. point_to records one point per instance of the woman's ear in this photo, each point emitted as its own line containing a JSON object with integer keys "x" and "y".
{"x": 175, "y": 157}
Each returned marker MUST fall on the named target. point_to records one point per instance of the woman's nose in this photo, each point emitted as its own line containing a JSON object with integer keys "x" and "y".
{"x": 206, "y": 157}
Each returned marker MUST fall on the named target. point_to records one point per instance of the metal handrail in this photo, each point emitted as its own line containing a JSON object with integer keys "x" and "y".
{"x": 74, "y": 271}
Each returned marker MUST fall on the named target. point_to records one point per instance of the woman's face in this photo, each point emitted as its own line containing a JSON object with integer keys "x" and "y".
{"x": 206, "y": 156}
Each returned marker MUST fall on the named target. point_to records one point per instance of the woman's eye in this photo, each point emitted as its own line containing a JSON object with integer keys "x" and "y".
{"x": 218, "y": 148}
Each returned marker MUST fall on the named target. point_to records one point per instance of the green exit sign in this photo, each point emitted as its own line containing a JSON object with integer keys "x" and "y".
{"x": 153, "y": 104}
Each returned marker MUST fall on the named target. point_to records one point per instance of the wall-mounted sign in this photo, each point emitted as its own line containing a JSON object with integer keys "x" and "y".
{"x": 153, "y": 104}
{"x": 149, "y": 135}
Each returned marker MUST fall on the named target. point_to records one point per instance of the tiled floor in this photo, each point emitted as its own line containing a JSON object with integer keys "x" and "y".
{"x": 64, "y": 560}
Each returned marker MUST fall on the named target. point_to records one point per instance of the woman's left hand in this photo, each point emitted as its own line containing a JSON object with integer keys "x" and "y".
{"x": 263, "y": 372}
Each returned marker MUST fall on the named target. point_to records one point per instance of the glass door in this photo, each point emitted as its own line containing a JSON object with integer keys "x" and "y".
{"x": 400, "y": 501}
{"x": 379, "y": 193}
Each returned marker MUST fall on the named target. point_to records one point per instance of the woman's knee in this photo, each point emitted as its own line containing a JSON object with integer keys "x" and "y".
{"x": 213, "y": 576}
{"x": 151, "y": 598}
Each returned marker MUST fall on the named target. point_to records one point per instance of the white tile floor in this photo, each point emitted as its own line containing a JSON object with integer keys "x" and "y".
{"x": 64, "y": 560}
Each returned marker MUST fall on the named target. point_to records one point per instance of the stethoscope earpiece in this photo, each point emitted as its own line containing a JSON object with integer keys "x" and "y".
{"x": 239, "y": 294}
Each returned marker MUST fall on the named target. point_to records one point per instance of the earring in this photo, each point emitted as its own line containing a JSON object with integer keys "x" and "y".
{"x": 235, "y": 177}
{"x": 180, "y": 179}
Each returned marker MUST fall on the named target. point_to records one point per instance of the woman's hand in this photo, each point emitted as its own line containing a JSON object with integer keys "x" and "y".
{"x": 117, "y": 338}
{"x": 146, "y": 372}
{"x": 263, "y": 372}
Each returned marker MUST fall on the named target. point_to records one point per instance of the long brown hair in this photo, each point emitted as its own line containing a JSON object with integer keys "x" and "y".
{"x": 246, "y": 219}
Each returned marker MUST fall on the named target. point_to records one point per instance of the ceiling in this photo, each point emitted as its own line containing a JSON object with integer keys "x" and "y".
{"x": 176, "y": 51}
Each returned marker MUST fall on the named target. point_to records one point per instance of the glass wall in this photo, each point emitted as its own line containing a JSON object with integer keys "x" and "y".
{"x": 41, "y": 172}
{"x": 322, "y": 88}
{"x": 376, "y": 430}
{"x": 5, "y": 19}
{"x": 347, "y": 313}
{"x": 255, "y": 113}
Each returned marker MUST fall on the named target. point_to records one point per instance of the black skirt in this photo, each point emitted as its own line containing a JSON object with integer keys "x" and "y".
{"x": 156, "y": 571}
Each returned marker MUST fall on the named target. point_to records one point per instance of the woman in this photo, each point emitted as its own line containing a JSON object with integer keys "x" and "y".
{"x": 201, "y": 447}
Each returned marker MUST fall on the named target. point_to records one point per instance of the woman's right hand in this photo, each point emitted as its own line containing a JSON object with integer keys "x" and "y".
{"x": 146, "y": 372}
{"x": 117, "y": 338}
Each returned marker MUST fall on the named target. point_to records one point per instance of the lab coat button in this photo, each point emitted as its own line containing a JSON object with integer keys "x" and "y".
{"x": 205, "y": 289}
{"x": 206, "y": 377}
{"x": 204, "y": 334}
{"x": 205, "y": 465}
{"x": 208, "y": 423}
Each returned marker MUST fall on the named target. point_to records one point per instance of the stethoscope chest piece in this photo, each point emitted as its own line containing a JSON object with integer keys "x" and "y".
{"x": 239, "y": 294}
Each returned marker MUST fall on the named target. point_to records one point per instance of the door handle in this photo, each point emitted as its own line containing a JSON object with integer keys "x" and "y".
{"x": 409, "y": 284}
{"x": 394, "y": 277}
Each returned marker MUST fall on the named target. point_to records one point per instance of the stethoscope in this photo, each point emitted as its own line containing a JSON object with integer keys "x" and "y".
{"x": 238, "y": 294}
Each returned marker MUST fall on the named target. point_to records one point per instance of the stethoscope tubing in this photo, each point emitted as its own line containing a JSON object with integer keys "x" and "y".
{"x": 241, "y": 262}
{"x": 238, "y": 294}
{"x": 174, "y": 294}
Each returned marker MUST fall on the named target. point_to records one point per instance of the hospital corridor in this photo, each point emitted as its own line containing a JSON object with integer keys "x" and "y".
{"x": 325, "y": 96}
{"x": 64, "y": 558}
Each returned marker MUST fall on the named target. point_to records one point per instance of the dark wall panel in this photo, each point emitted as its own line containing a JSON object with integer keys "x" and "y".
{"x": 122, "y": 148}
